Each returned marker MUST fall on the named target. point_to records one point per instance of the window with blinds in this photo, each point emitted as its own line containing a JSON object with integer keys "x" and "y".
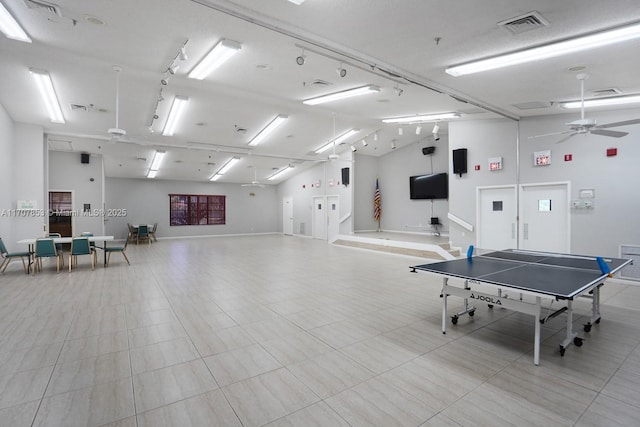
{"x": 191, "y": 209}
{"x": 60, "y": 201}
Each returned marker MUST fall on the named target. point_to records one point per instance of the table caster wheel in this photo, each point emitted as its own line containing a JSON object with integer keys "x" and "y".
{"x": 577, "y": 341}
{"x": 471, "y": 313}
{"x": 587, "y": 327}
{"x": 454, "y": 320}
{"x": 562, "y": 350}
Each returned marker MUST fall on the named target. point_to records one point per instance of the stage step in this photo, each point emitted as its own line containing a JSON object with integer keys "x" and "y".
{"x": 430, "y": 251}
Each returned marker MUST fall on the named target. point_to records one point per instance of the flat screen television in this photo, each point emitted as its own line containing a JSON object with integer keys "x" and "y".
{"x": 435, "y": 186}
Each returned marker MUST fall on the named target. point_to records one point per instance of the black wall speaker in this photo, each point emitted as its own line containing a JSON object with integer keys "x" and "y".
{"x": 84, "y": 157}
{"x": 345, "y": 176}
{"x": 460, "y": 161}
{"x": 428, "y": 150}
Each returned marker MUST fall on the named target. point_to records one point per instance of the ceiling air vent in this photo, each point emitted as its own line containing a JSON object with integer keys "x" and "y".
{"x": 606, "y": 92}
{"x": 317, "y": 82}
{"x": 75, "y": 107}
{"x": 51, "y": 8}
{"x": 532, "y": 105}
{"x": 527, "y": 22}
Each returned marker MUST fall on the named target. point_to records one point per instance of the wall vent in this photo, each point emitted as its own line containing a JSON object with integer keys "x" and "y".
{"x": 80, "y": 107}
{"x": 532, "y": 105}
{"x": 527, "y": 22}
{"x": 606, "y": 92}
{"x": 51, "y": 8}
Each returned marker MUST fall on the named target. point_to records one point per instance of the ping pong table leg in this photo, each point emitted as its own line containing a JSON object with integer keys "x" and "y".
{"x": 536, "y": 339}
{"x": 444, "y": 305}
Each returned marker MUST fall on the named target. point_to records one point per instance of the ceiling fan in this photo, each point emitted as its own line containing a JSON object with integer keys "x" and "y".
{"x": 116, "y": 133}
{"x": 255, "y": 182}
{"x": 585, "y": 126}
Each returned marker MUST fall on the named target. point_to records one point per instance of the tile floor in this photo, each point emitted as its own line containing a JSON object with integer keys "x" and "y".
{"x": 288, "y": 331}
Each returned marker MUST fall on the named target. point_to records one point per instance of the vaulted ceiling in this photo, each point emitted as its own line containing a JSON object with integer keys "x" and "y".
{"x": 403, "y": 47}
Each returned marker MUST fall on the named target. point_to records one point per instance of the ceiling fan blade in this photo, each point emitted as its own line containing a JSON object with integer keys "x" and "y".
{"x": 616, "y": 124}
{"x": 567, "y": 137}
{"x": 612, "y": 133}
{"x": 550, "y": 134}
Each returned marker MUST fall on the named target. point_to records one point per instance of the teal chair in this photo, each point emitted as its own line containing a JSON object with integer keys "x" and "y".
{"x": 143, "y": 233}
{"x": 152, "y": 232}
{"x": 8, "y": 256}
{"x": 45, "y": 248}
{"x": 58, "y": 245}
{"x": 89, "y": 234}
{"x": 121, "y": 249}
{"x": 81, "y": 246}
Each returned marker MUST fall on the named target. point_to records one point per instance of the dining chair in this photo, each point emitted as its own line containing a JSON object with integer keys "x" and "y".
{"x": 133, "y": 233}
{"x": 8, "y": 256}
{"x": 81, "y": 246}
{"x": 89, "y": 234}
{"x": 45, "y": 248}
{"x": 58, "y": 245}
{"x": 152, "y": 232}
{"x": 143, "y": 233}
{"x": 122, "y": 249}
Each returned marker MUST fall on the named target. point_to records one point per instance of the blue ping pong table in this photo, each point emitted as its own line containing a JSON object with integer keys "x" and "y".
{"x": 542, "y": 275}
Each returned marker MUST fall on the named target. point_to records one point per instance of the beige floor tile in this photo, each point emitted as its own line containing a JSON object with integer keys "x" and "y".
{"x": 343, "y": 333}
{"x": 92, "y": 406}
{"x": 20, "y": 415}
{"x": 267, "y": 397}
{"x": 29, "y": 358}
{"x": 623, "y": 386}
{"x": 377, "y": 402}
{"x": 240, "y": 364}
{"x": 141, "y": 319}
{"x": 605, "y": 411}
{"x": 153, "y": 389}
{"x": 161, "y": 355}
{"x": 295, "y": 347}
{"x": 269, "y": 329}
{"x": 317, "y": 415}
{"x": 93, "y": 346}
{"x": 209, "y": 341}
{"x": 330, "y": 373}
{"x": 379, "y": 354}
{"x": 89, "y": 372}
{"x": 154, "y": 334}
{"x": 23, "y": 386}
{"x": 209, "y": 409}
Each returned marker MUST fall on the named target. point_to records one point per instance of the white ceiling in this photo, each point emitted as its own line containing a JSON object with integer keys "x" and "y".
{"x": 393, "y": 44}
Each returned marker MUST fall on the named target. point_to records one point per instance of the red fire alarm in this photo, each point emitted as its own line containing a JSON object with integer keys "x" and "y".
{"x": 477, "y": 167}
{"x": 612, "y": 152}
{"x": 568, "y": 157}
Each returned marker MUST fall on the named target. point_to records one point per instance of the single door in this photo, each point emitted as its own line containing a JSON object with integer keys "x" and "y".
{"x": 497, "y": 213}
{"x": 60, "y": 213}
{"x": 287, "y": 216}
{"x": 545, "y": 224}
{"x": 333, "y": 217}
{"x": 319, "y": 218}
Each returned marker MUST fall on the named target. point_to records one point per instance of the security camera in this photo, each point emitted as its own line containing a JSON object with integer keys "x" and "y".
{"x": 300, "y": 60}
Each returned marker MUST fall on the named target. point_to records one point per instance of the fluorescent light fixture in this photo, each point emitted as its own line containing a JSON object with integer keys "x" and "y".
{"x": 177, "y": 108}
{"x": 268, "y": 129}
{"x": 280, "y": 173}
{"x": 152, "y": 174}
{"x": 48, "y": 93}
{"x": 423, "y": 118}
{"x": 363, "y": 90}
{"x": 224, "y": 169}
{"x": 577, "y": 44}
{"x": 298, "y": 2}
{"x": 602, "y": 102}
{"x": 337, "y": 140}
{"x": 224, "y": 50}
{"x": 418, "y": 129}
{"x": 10, "y": 27}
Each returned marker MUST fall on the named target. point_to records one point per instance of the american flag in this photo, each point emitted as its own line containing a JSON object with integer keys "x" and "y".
{"x": 376, "y": 203}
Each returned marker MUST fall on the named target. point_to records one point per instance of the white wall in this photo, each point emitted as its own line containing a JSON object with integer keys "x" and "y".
{"x": 399, "y": 212}
{"x": 67, "y": 173}
{"x": 6, "y": 158}
{"x": 28, "y": 169}
{"x": 147, "y": 201}
{"x": 303, "y": 187}
{"x": 598, "y": 231}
